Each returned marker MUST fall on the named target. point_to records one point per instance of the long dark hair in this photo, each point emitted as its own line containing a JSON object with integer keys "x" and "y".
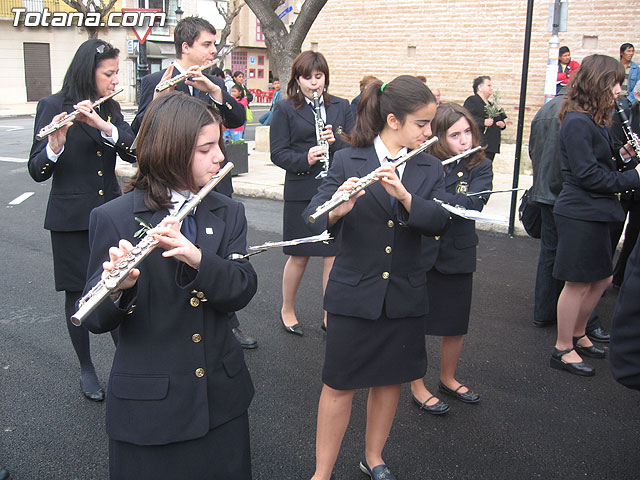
{"x": 303, "y": 65}
{"x": 590, "y": 88}
{"x": 402, "y": 96}
{"x": 446, "y": 115}
{"x": 166, "y": 143}
{"x": 80, "y": 80}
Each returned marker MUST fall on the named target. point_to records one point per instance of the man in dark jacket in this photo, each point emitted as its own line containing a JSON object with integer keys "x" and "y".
{"x": 544, "y": 151}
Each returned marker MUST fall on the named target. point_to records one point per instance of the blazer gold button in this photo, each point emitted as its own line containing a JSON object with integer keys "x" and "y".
{"x": 387, "y": 249}
{"x": 100, "y": 173}
{"x": 390, "y": 224}
{"x": 100, "y": 192}
{"x": 460, "y": 174}
{"x": 200, "y": 294}
{"x": 385, "y": 275}
{"x": 196, "y": 337}
{"x": 199, "y": 372}
{"x": 437, "y": 237}
{"x": 194, "y": 302}
{"x": 99, "y": 153}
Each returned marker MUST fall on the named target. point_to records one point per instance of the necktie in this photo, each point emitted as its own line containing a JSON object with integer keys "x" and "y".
{"x": 391, "y": 199}
{"x": 189, "y": 228}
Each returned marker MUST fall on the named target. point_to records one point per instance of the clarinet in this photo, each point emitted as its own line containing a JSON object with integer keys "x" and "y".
{"x": 632, "y": 138}
{"x": 122, "y": 269}
{"x": 55, "y": 126}
{"x": 319, "y": 140}
{"x": 343, "y": 196}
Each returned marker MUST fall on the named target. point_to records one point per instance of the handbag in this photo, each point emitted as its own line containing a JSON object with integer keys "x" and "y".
{"x": 530, "y": 215}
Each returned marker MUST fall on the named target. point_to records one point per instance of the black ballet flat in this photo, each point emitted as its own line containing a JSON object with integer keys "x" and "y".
{"x": 323, "y": 327}
{"x": 591, "y": 351}
{"x": 577, "y": 368}
{"x": 438, "y": 408}
{"x": 294, "y": 329}
{"x": 97, "y": 396}
{"x": 466, "y": 397}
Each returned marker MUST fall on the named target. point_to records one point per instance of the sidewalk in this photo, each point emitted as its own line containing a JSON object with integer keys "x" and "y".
{"x": 266, "y": 180}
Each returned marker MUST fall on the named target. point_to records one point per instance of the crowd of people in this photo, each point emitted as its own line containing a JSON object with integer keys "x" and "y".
{"x": 179, "y": 385}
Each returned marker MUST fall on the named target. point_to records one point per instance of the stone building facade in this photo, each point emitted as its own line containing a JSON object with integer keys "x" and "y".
{"x": 453, "y": 41}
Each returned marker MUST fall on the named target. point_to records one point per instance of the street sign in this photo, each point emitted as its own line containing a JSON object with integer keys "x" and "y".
{"x": 285, "y": 11}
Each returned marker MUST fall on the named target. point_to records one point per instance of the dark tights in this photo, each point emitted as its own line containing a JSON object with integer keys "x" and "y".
{"x": 80, "y": 340}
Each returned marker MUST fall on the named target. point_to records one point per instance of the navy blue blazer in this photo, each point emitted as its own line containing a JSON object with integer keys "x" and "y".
{"x": 625, "y": 329}
{"x": 591, "y": 179}
{"x": 377, "y": 264}
{"x": 233, "y": 113}
{"x": 455, "y": 250}
{"x": 293, "y": 133}
{"x": 84, "y": 175}
{"x": 178, "y": 371}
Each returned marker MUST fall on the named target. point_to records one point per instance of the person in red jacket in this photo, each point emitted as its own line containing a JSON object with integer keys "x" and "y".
{"x": 566, "y": 67}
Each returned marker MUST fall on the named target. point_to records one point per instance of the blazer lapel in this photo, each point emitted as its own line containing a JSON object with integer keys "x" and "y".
{"x": 306, "y": 113}
{"x": 454, "y": 175}
{"x": 211, "y": 224}
{"x": 414, "y": 175}
{"x": 141, "y": 210}
{"x": 376, "y": 190}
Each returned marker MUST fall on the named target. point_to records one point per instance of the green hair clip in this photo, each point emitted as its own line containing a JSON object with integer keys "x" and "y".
{"x": 383, "y": 86}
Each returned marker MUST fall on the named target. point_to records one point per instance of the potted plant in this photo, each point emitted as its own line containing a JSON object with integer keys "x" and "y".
{"x": 237, "y": 151}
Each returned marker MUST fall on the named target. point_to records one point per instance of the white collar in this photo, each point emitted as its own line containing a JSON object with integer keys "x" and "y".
{"x": 178, "y": 199}
{"x": 383, "y": 152}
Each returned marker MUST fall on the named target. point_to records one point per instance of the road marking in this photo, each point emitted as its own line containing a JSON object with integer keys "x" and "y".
{"x": 21, "y": 198}
{"x": 14, "y": 160}
{"x": 12, "y": 128}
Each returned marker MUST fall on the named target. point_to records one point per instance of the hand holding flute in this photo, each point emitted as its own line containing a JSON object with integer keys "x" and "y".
{"x": 193, "y": 77}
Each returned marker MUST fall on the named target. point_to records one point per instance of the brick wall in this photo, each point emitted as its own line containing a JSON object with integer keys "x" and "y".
{"x": 457, "y": 40}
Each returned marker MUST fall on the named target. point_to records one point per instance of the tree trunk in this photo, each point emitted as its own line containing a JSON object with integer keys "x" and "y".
{"x": 284, "y": 46}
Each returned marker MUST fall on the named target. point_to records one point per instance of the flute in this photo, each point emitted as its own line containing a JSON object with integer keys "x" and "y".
{"x": 55, "y": 126}
{"x": 170, "y": 82}
{"x": 632, "y": 138}
{"x": 123, "y": 268}
{"x": 461, "y": 155}
{"x": 343, "y": 196}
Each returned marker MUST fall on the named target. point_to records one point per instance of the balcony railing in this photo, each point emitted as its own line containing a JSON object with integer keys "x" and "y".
{"x": 31, "y": 6}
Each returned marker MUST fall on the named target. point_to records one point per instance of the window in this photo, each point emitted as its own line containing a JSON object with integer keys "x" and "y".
{"x": 252, "y": 73}
{"x": 259, "y": 34}
{"x": 260, "y": 73}
{"x": 260, "y": 59}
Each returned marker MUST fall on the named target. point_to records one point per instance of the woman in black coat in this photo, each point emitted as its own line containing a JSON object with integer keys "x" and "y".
{"x": 492, "y": 125}
{"x": 80, "y": 158}
{"x": 294, "y": 147}
{"x": 179, "y": 388}
{"x": 587, "y": 207}
{"x": 375, "y": 295}
{"x": 451, "y": 258}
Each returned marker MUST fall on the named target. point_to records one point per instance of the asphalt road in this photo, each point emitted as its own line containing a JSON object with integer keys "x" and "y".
{"x": 532, "y": 422}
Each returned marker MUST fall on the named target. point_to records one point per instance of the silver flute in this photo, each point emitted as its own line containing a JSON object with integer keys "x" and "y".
{"x": 170, "y": 82}
{"x": 632, "y": 138}
{"x": 319, "y": 140}
{"x": 460, "y": 156}
{"x": 55, "y": 126}
{"x": 342, "y": 196}
{"x": 110, "y": 281}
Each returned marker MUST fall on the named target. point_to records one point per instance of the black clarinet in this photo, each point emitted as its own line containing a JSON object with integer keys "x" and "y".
{"x": 632, "y": 138}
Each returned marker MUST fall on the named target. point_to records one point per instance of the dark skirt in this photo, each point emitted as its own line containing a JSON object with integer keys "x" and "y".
{"x": 222, "y": 454}
{"x": 362, "y": 353}
{"x": 294, "y": 226}
{"x": 584, "y": 252}
{"x": 70, "y": 260}
{"x": 449, "y": 303}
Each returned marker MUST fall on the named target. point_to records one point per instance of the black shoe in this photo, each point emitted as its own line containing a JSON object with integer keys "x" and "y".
{"x": 323, "y": 327}
{"x": 379, "y": 472}
{"x": 577, "y": 368}
{"x": 466, "y": 397}
{"x": 96, "y": 396}
{"x": 91, "y": 388}
{"x": 294, "y": 329}
{"x": 543, "y": 324}
{"x": 599, "y": 335}
{"x": 4, "y": 473}
{"x": 591, "y": 351}
{"x": 437, "y": 408}
{"x": 245, "y": 341}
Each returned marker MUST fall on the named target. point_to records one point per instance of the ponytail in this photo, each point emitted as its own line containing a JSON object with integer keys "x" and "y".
{"x": 402, "y": 96}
